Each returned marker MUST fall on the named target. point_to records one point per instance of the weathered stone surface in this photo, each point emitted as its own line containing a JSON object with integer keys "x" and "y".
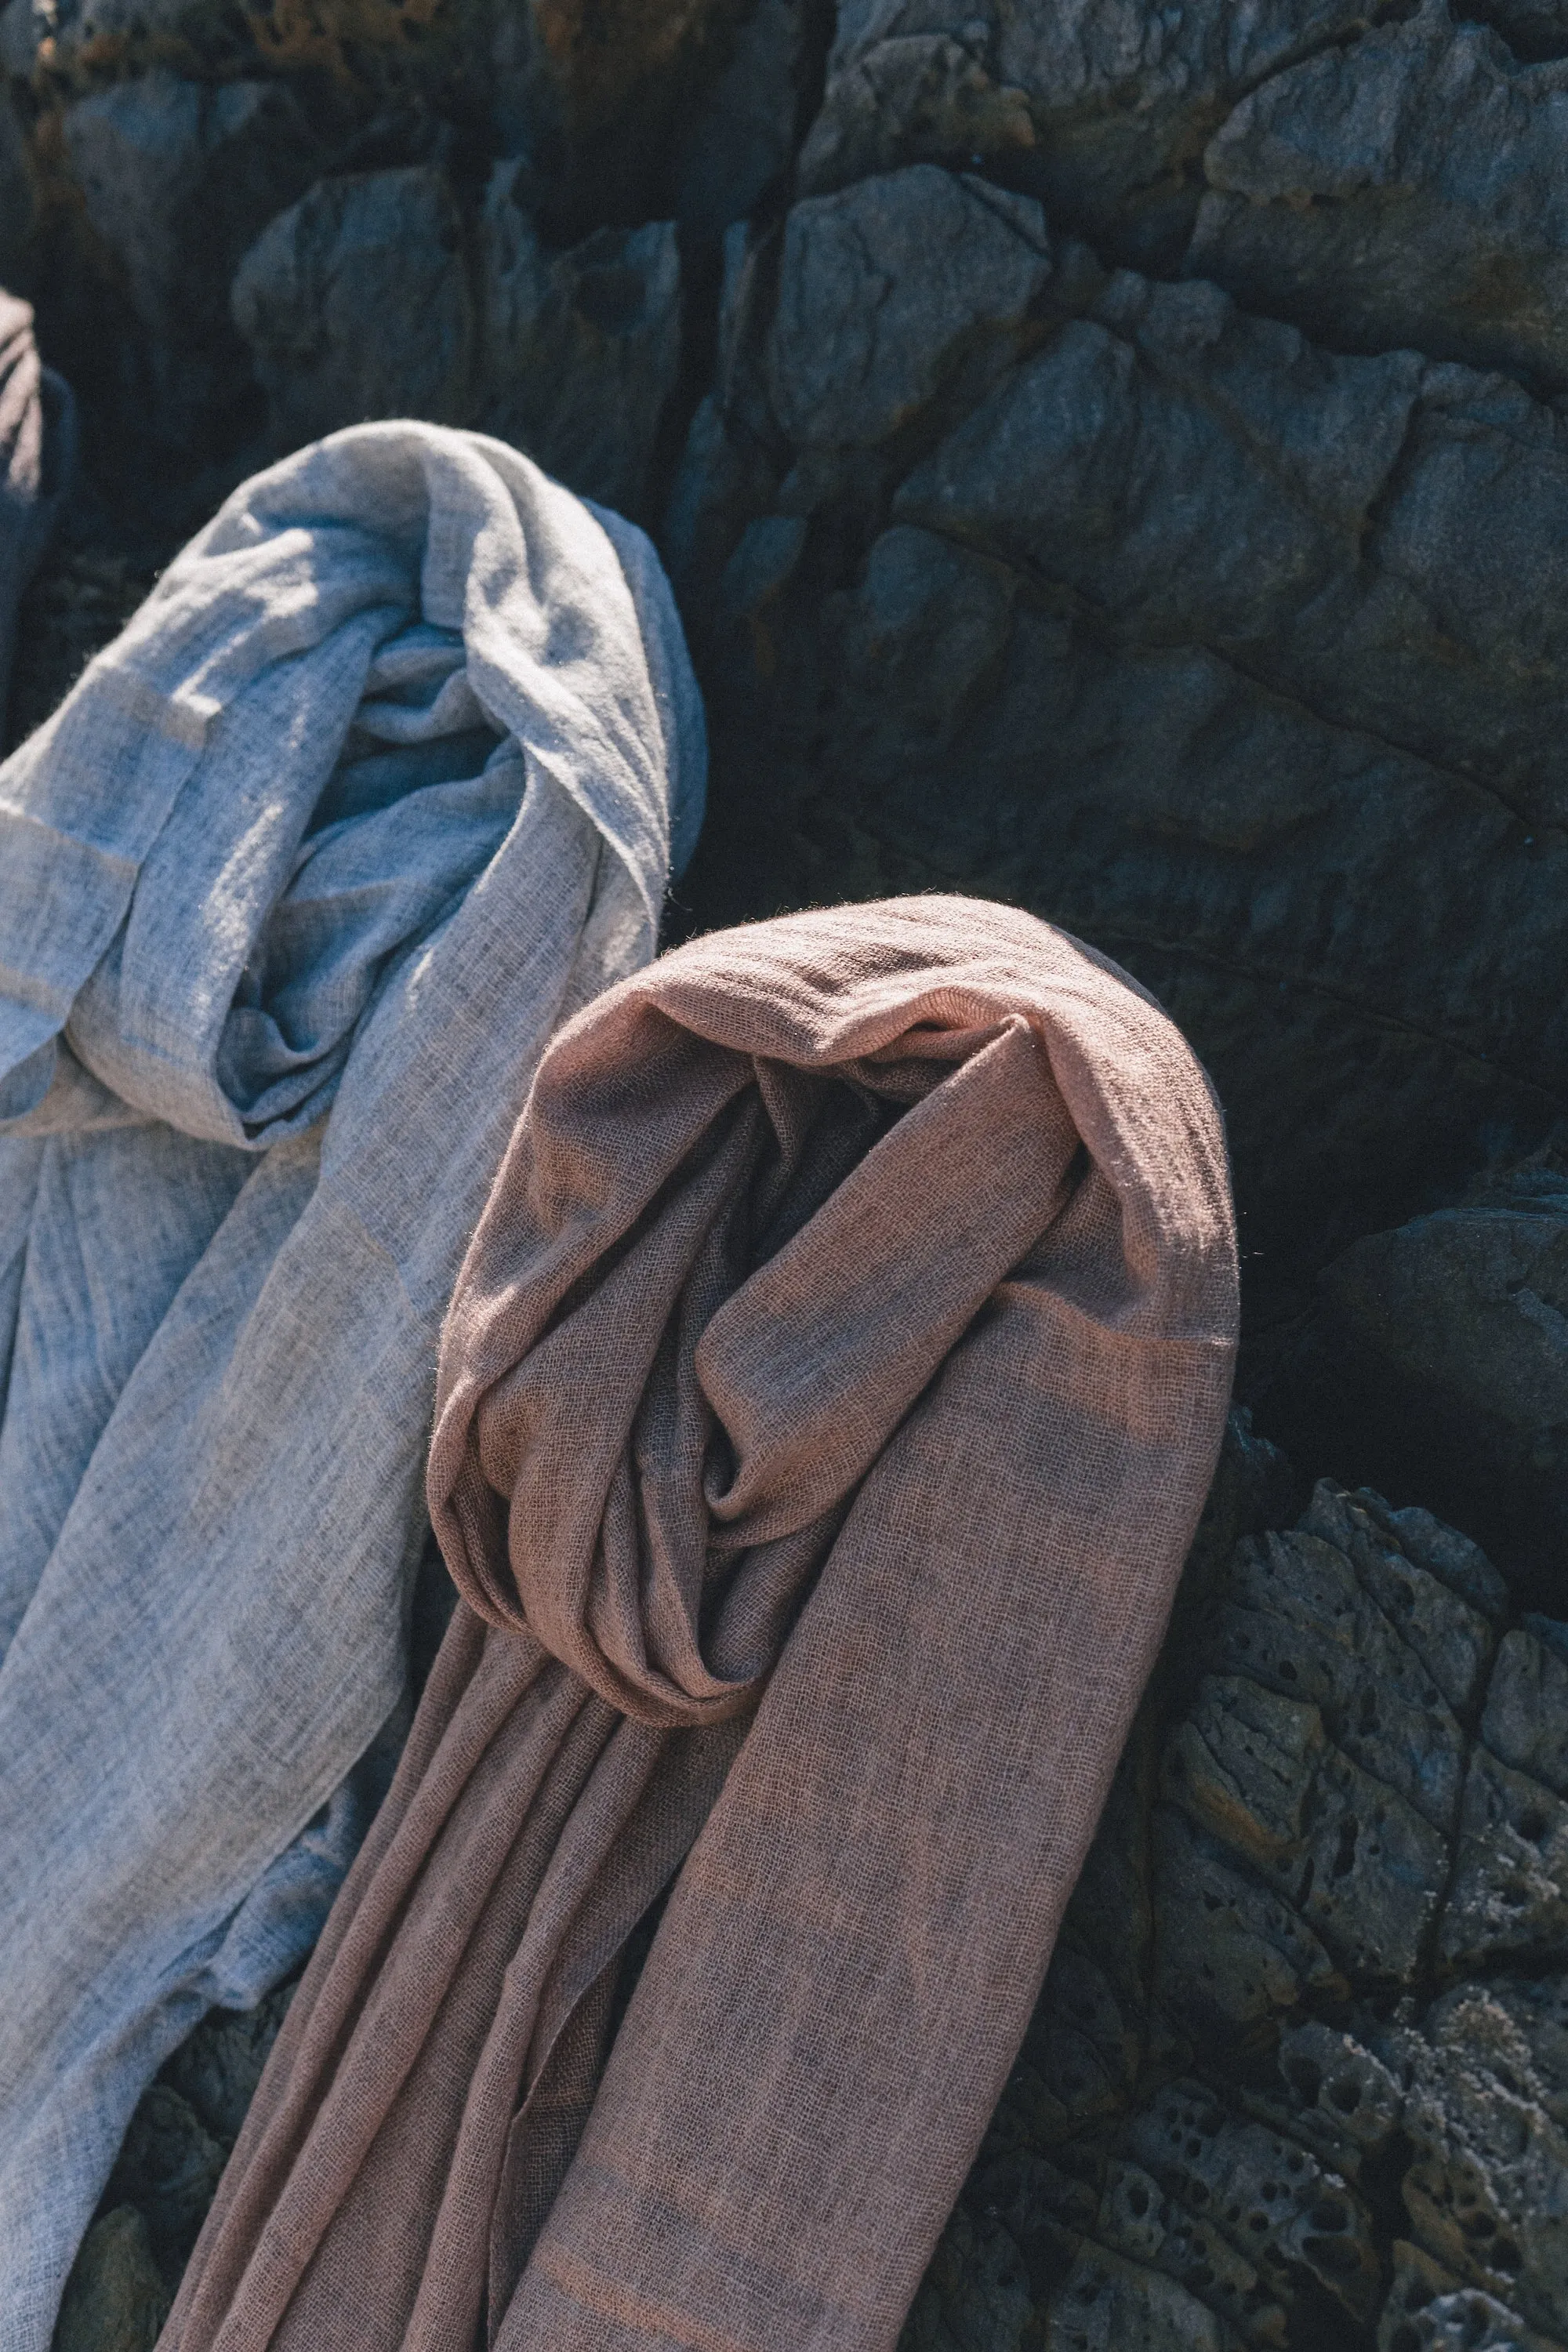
{"x": 18, "y": 198}
{"x": 580, "y": 351}
{"x": 741, "y": 141}
{"x": 1434, "y": 1357}
{"x": 1486, "y": 2189}
{"x": 883, "y": 287}
{"x": 1107, "y": 2304}
{"x": 1526, "y": 1721}
{"x": 1268, "y": 2200}
{"x": 909, "y": 97}
{"x": 168, "y": 2169}
{"x": 1428, "y": 2311}
{"x": 1532, "y": 28}
{"x": 80, "y": 43}
{"x": 977, "y": 2296}
{"x": 356, "y": 304}
{"x": 115, "y": 2299}
{"x": 1191, "y": 635}
{"x": 1233, "y": 1956}
{"x": 1408, "y": 189}
{"x": 1102, "y": 107}
{"x": 1266, "y": 2150}
{"x": 1510, "y": 1898}
{"x": 164, "y": 2180}
{"x": 215, "y": 2071}
{"x": 178, "y": 179}
{"x": 1296, "y": 1620}
{"x": 605, "y": 94}
{"x": 1126, "y": 463}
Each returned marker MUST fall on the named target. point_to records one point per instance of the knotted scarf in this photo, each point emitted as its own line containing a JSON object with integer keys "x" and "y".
{"x": 377, "y": 787}
{"x": 825, "y": 1406}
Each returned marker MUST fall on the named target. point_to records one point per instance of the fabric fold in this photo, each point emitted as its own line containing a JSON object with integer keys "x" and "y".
{"x": 825, "y": 1406}
{"x": 380, "y": 784}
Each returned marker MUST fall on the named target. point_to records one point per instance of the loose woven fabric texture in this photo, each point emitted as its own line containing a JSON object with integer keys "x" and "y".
{"x": 379, "y": 785}
{"x": 825, "y": 1406}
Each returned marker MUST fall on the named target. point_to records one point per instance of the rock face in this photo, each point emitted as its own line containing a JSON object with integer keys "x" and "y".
{"x": 1111, "y": 458}
{"x": 133, "y": 2257}
{"x": 1102, "y": 592}
{"x": 1436, "y": 1355}
{"x": 1298, "y": 2077}
{"x": 1409, "y": 188}
{"x": 581, "y": 349}
{"x": 116, "y": 2300}
{"x": 356, "y": 304}
{"x": 177, "y": 178}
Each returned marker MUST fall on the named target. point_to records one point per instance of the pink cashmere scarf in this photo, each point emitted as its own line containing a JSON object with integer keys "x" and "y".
{"x": 825, "y": 1406}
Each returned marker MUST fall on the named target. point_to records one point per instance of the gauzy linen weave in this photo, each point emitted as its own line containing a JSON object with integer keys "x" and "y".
{"x": 38, "y": 447}
{"x": 825, "y": 1406}
{"x": 374, "y": 789}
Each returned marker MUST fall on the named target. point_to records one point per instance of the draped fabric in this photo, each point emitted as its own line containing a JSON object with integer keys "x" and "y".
{"x": 825, "y": 1406}
{"x": 37, "y": 451}
{"x": 379, "y": 785}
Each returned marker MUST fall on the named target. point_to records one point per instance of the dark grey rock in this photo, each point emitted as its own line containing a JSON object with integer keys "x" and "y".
{"x": 1487, "y": 2187}
{"x": 1532, "y": 28}
{"x": 1437, "y": 1586}
{"x": 881, "y": 290}
{"x": 1267, "y": 2149}
{"x": 743, "y": 140}
{"x": 1335, "y": 2097}
{"x": 1137, "y": 2221}
{"x": 164, "y": 2179}
{"x": 1509, "y": 1897}
{"x": 356, "y": 304}
{"x": 1434, "y": 1357}
{"x": 215, "y": 2071}
{"x": 1233, "y": 1956}
{"x": 1126, "y": 463}
{"x": 1258, "y": 1775}
{"x": 1111, "y": 2305}
{"x": 608, "y": 98}
{"x": 18, "y": 199}
{"x": 976, "y": 2297}
{"x": 1194, "y": 636}
{"x": 1526, "y": 1720}
{"x": 1295, "y": 1618}
{"x": 76, "y": 604}
{"x": 115, "y": 2299}
{"x": 580, "y": 350}
{"x": 1266, "y": 2198}
{"x": 353, "y": 59}
{"x": 1428, "y": 2311}
{"x": 1103, "y": 107}
{"x": 1405, "y": 190}
{"x": 168, "y": 2169}
{"x": 910, "y": 98}
{"x": 178, "y": 179}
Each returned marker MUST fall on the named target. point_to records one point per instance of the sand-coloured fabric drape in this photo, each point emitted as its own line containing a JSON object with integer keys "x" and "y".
{"x": 378, "y": 786}
{"x": 825, "y": 1406}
